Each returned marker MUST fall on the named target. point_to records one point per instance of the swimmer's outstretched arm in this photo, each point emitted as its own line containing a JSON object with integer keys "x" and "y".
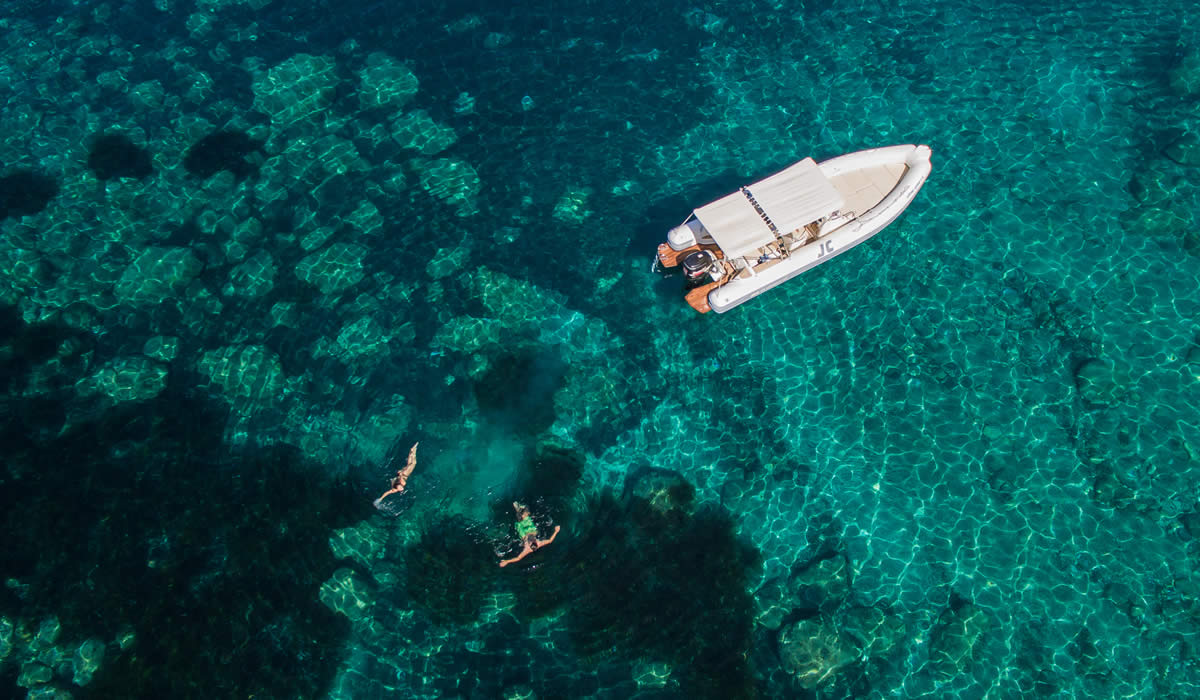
{"x": 524, "y": 553}
{"x": 530, "y": 546}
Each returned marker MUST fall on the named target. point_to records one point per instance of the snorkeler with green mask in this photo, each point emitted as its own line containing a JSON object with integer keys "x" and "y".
{"x": 527, "y": 530}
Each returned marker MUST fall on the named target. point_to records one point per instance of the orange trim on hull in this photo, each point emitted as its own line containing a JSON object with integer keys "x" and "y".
{"x": 698, "y": 297}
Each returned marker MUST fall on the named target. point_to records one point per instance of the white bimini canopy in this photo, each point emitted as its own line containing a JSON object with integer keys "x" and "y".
{"x": 788, "y": 200}
{"x": 735, "y": 225}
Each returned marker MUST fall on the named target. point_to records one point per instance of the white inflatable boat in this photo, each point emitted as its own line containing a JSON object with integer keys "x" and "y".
{"x": 745, "y": 243}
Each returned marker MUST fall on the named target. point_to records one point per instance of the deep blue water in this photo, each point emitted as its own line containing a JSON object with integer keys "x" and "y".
{"x": 250, "y": 253}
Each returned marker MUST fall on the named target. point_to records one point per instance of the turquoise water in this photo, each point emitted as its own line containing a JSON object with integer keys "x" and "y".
{"x": 253, "y": 252}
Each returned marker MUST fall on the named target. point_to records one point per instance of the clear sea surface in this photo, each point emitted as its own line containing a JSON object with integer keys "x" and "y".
{"x": 251, "y": 251}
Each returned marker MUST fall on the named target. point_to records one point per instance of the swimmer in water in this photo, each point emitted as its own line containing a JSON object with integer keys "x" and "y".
{"x": 401, "y": 479}
{"x": 527, "y": 530}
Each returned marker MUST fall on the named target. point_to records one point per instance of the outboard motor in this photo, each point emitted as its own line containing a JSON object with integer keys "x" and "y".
{"x": 700, "y": 267}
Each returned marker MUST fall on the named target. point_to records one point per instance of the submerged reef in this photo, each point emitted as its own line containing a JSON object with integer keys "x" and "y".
{"x": 232, "y": 151}
{"x": 958, "y": 462}
{"x": 664, "y": 588}
{"x": 115, "y": 155}
{"x": 449, "y": 571}
{"x": 649, "y": 586}
{"x": 136, "y": 511}
{"x": 26, "y": 192}
{"x": 518, "y": 390}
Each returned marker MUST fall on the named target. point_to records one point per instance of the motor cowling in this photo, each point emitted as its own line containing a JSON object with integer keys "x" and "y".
{"x": 698, "y": 266}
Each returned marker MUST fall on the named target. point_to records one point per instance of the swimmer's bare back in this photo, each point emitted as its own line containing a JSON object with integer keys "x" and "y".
{"x": 400, "y": 481}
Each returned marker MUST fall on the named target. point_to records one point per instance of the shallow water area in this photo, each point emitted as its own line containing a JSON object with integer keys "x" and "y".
{"x": 250, "y": 252}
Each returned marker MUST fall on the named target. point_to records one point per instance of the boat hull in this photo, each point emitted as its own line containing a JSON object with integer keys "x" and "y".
{"x": 833, "y": 243}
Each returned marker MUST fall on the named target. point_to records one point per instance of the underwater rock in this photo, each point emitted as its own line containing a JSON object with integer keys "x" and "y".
{"x": 447, "y": 261}
{"x": 663, "y": 491}
{"x": 318, "y": 165}
{"x": 674, "y": 591}
{"x": 284, "y": 313}
{"x": 955, "y": 639}
{"x": 243, "y": 372}
{"x": 820, "y": 585}
{"x": 593, "y": 390}
{"x": 651, "y": 676}
{"x": 128, "y": 379}
{"x": 771, "y": 604}
{"x": 1108, "y": 490}
{"x": 374, "y": 437}
{"x": 148, "y": 95}
{"x": 813, "y": 650}
{"x": 321, "y": 165}
{"x": 385, "y": 82}
{"x": 874, "y": 632}
{"x": 516, "y": 304}
{"x": 363, "y": 542}
{"x": 114, "y": 155}
{"x": 232, "y": 151}
{"x": 1090, "y": 660}
{"x": 1097, "y": 382}
{"x": 450, "y": 571}
{"x": 496, "y": 40}
{"x": 34, "y": 674}
{"x": 156, "y": 275}
{"x": 1185, "y": 77}
{"x": 334, "y": 269}
{"x": 1170, "y": 221}
{"x": 47, "y": 633}
{"x": 592, "y": 394}
{"x": 25, "y": 192}
{"x": 464, "y": 104}
{"x": 253, "y": 277}
{"x": 572, "y": 206}
{"x": 324, "y": 437}
{"x": 333, "y": 195}
{"x": 1125, "y": 598}
{"x": 367, "y": 219}
{"x": 7, "y": 632}
{"x": 317, "y": 237}
{"x": 517, "y": 389}
{"x": 467, "y": 334}
{"x": 86, "y": 661}
{"x": 453, "y": 181}
{"x": 161, "y": 347}
{"x": 363, "y": 337}
{"x": 300, "y": 88}
{"x": 418, "y": 131}
{"x": 1157, "y": 183}
{"x": 554, "y": 473}
{"x": 1186, "y": 149}
{"x": 22, "y": 269}
{"x": 346, "y": 593}
{"x": 324, "y": 157}
{"x": 1191, "y": 524}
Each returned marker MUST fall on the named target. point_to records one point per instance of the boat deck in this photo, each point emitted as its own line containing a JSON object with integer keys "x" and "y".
{"x": 864, "y": 188}
{"x": 669, "y": 257}
{"x": 698, "y": 298}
